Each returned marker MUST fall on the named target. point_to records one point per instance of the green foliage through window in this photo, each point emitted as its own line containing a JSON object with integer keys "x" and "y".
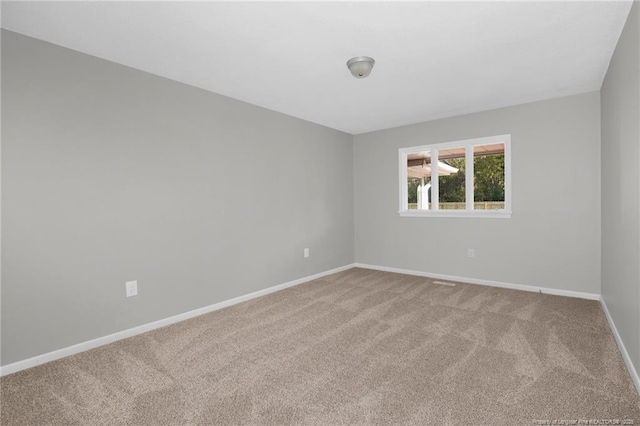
{"x": 488, "y": 181}
{"x": 489, "y": 178}
{"x": 452, "y": 186}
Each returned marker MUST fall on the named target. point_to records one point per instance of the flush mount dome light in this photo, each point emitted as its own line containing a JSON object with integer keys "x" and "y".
{"x": 360, "y": 66}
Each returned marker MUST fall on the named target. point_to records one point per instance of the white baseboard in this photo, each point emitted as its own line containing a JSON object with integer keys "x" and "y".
{"x": 535, "y": 289}
{"x": 101, "y": 341}
{"x": 625, "y": 355}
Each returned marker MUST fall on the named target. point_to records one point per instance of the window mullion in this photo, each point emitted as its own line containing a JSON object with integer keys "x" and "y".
{"x": 507, "y": 176}
{"x": 404, "y": 204}
{"x": 435, "y": 192}
{"x": 468, "y": 177}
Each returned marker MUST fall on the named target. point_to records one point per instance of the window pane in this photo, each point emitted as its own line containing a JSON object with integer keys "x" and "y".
{"x": 488, "y": 177}
{"x": 451, "y": 175}
{"x": 419, "y": 180}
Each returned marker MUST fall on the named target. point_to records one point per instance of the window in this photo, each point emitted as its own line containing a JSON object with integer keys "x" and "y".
{"x": 472, "y": 178}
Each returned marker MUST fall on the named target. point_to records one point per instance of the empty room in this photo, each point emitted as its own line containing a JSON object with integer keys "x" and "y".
{"x": 320, "y": 213}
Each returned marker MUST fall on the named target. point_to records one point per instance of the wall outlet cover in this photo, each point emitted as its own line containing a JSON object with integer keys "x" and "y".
{"x": 131, "y": 288}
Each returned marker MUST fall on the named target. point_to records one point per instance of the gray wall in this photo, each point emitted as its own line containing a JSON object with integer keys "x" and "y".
{"x": 110, "y": 174}
{"x": 621, "y": 186}
{"x": 552, "y": 239}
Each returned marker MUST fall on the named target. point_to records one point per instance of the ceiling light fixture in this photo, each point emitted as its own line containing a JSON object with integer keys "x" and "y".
{"x": 360, "y": 66}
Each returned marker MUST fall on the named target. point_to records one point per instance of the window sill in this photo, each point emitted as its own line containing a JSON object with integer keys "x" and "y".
{"x": 491, "y": 214}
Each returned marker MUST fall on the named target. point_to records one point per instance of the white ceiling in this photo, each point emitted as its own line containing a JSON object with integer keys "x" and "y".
{"x": 433, "y": 59}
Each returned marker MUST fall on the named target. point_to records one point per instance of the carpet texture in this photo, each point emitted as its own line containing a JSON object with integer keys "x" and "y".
{"x": 357, "y": 347}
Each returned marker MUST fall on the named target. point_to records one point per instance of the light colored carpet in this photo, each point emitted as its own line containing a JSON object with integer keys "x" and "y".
{"x": 358, "y": 347}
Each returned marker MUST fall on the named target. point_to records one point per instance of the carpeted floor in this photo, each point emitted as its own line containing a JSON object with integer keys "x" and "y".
{"x": 358, "y": 347}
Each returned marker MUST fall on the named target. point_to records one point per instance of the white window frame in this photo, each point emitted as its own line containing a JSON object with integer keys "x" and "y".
{"x": 468, "y": 144}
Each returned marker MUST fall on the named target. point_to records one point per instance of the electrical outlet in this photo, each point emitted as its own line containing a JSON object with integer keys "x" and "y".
{"x": 306, "y": 252}
{"x": 471, "y": 253}
{"x": 131, "y": 288}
